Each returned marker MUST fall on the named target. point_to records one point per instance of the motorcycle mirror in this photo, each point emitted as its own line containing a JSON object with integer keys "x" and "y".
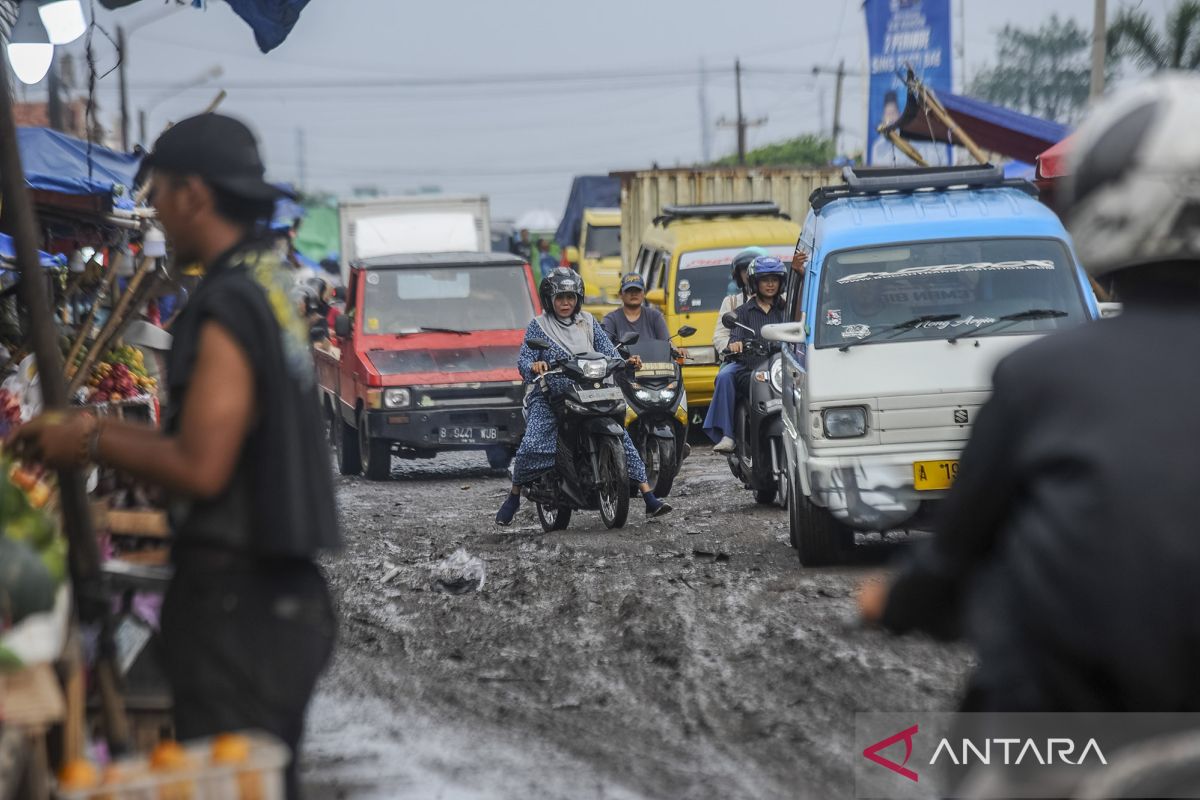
{"x": 630, "y": 337}
{"x": 686, "y": 331}
{"x": 538, "y": 344}
{"x": 729, "y": 320}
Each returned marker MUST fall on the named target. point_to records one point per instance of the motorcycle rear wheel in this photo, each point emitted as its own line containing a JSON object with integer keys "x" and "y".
{"x": 553, "y": 519}
{"x": 612, "y": 484}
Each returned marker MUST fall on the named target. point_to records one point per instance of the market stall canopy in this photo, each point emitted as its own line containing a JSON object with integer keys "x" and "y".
{"x": 55, "y": 162}
{"x": 587, "y": 191}
{"x": 8, "y": 254}
{"x": 1053, "y": 162}
{"x": 1001, "y": 130}
{"x": 538, "y": 219}
{"x": 271, "y": 20}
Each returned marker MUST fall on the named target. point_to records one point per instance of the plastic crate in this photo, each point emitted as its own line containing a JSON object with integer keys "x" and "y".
{"x": 260, "y": 777}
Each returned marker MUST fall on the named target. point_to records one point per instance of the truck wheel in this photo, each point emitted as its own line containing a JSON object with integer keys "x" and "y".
{"x": 612, "y": 484}
{"x": 821, "y": 539}
{"x": 499, "y": 457}
{"x": 662, "y": 453}
{"x": 376, "y": 454}
{"x": 345, "y": 441}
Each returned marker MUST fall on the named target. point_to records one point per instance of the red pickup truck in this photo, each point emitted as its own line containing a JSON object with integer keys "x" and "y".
{"x": 427, "y": 359}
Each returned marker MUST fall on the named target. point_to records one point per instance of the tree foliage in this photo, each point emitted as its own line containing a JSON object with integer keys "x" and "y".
{"x": 1132, "y": 35}
{"x": 807, "y": 150}
{"x": 1045, "y": 72}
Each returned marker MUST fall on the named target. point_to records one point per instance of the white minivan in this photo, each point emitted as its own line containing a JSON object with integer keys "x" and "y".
{"x": 918, "y": 282}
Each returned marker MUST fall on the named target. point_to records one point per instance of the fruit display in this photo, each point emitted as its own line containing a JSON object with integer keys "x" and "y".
{"x": 33, "y": 556}
{"x": 120, "y": 375}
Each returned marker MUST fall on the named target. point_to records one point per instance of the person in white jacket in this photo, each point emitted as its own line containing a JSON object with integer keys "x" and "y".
{"x": 741, "y": 263}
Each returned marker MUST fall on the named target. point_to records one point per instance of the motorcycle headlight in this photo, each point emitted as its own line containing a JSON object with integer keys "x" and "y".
{"x": 665, "y": 395}
{"x": 397, "y": 398}
{"x": 593, "y": 368}
{"x": 845, "y": 422}
{"x": 646, "y": 395}
{"x": 777, "y": 376}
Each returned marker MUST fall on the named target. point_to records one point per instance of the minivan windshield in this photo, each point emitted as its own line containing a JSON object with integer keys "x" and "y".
{"x": 405, "y": 300}
{"x": 603, "y": 242}
{"x": 705, "y": 277}
{"x": 966, "y": 283}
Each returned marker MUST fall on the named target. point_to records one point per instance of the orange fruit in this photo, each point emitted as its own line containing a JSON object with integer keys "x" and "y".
{"x": 78, "y": 773}
{"x": 230, "y": 748}
{"x": 169, "y": 755}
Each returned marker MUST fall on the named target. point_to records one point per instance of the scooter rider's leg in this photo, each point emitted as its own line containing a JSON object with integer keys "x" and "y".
{"x": 637, "y": 472}
{"x": 509, "y": 509}
{"x": 718, "y": 423}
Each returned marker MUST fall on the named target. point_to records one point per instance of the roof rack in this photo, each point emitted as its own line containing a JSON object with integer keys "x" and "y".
{"x": 865, "y": 182}
{"x": 707, "y": 211}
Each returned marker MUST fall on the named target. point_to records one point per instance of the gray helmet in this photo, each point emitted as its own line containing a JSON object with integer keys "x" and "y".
{"x": 1133, "y": 192}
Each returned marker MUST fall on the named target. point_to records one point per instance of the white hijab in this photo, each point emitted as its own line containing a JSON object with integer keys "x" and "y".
{"x": 573, "y": 336}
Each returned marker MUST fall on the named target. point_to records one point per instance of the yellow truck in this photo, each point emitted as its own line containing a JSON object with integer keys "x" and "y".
{"x": 597, "y": 257}
{"x": 686, "y": 259}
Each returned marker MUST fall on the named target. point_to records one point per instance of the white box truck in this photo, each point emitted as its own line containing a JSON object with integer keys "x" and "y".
{"x": 389, "y": 226}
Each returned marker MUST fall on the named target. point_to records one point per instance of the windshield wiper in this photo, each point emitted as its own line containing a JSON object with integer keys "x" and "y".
{"x": 428, "y": 329}
{"x": 1012, "y": 319}
{"x": 902, "y": 327}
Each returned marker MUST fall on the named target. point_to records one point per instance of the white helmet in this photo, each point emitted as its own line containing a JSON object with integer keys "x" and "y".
{"x": 1133, "y": 195}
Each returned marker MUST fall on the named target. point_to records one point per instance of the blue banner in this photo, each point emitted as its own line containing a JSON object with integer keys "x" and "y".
{"x": 902, "y": 33}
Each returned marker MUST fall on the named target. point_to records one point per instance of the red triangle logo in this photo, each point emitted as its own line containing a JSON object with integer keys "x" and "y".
{"x": 907, "y": 734}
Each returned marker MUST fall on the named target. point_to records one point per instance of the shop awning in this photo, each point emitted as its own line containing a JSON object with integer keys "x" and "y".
{"x": 55, "y": 162}
{"x": 1052, "y": 163}
{"x": 1000, "y": 130}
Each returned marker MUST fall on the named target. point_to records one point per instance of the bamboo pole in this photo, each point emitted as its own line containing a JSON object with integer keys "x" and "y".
{"x": 904, "y": 147}
{"x": 86, "y": 327}
{"x": 929, "y": 100}
{"x": 83, "y": 553}
{"x": 114, "y": 322}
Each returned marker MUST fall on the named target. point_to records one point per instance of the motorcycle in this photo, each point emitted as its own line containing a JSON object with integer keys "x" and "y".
{"x": 759, "y": 460}
{"x": 589, "y": 472}
{"x": 657, "y": 410}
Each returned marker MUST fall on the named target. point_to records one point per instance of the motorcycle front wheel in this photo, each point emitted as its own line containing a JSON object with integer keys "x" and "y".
{"x": 660, "y": 453}
{"x": 612, "y": 484}
{"x": 553, "y": 519}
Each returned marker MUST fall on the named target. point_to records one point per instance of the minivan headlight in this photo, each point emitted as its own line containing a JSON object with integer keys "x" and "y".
{"x": 397, "y": 398}
{"x": 593, "y": 368}
{"x": 845, "y": 422}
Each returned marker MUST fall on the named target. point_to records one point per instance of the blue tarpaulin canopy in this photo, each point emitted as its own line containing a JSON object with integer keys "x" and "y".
{"x": 995, "y": 128}
{"x": 587, "y": 191}
{"x": 8, "y": 253}
{"x": 55, "y": 162}
{"x": 271, "y": 20}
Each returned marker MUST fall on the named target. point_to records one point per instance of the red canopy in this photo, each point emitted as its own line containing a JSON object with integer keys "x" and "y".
{"x": 1053, "y": 162}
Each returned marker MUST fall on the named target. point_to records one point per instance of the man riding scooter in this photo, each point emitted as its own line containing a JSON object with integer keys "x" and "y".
{"x": 634, "y": 316}
{"x": 735, "y": 300}
{"x": 766, "y": 279}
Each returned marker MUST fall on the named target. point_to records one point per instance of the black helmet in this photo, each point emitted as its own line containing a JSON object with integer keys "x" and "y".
{"x": 763, "y": 266}
{"x": 561, "y": 280}
{"x": 742, "y": 261}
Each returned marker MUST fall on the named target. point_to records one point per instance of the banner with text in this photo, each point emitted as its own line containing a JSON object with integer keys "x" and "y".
{"x": 902, "y": 33}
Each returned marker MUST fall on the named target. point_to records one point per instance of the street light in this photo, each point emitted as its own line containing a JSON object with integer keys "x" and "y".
{"x": 63, "y": 20}
{"x": 29, "y": 49}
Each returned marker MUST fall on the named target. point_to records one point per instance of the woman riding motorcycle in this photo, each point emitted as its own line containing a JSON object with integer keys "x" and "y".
{"x": 570, "y": 331}
{"x": 741, "y": 265}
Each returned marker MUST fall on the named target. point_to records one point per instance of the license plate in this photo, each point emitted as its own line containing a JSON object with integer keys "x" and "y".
{"x": 932, "y": 475}
{"x": 468, "y": 435}
{"x": 596, "y": 395}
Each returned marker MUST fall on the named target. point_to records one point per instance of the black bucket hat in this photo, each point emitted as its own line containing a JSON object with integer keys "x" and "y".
{"x": 218, "y": 149}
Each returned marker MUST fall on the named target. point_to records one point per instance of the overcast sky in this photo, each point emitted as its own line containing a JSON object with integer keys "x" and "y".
{"x": 520, "y": 143}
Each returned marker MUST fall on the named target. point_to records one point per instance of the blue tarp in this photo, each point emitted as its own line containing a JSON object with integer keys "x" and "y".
{"x": 587, "y": 191}
{"x": 55, "y": 162}
{"x": 287, "y": 211}
{"x": 8, "y": 252}
{"x": 272, "y": 20}
{"x": 1010, "y": 133}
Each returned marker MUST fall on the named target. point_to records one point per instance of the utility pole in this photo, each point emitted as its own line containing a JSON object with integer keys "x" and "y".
{"x": 840, "y": 75}
{"x": 705, "y": 129}
{"x": 54, "y": 102}
{"x": 1099, "y": 34}
{"x": 123, "y": 58}
{"x": 301, "y": 160}
{"x": 741, "y": 123}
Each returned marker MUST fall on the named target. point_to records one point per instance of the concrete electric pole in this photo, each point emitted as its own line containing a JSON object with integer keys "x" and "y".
{"x": 1099, "y": 42}
{"x": 741, "y": 123}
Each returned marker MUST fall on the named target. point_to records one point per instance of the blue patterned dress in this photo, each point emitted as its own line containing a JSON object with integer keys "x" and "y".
{"x": 537, "y": 450}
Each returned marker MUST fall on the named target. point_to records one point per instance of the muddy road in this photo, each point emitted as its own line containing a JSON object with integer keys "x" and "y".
{"x": 685, "y": 657}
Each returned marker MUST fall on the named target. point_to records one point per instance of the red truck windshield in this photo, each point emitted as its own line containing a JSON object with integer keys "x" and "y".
{"x": 465, "y": 298}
